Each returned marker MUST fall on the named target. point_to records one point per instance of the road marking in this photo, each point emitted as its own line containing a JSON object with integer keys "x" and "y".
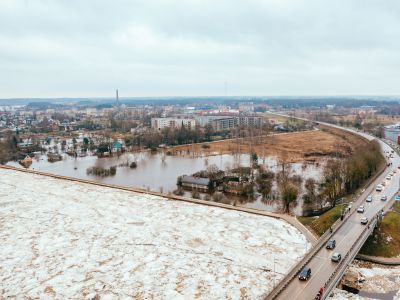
{"x": 309, "y": 281}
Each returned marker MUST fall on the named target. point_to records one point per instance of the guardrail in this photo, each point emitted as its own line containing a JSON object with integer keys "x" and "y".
{"x": 333, "y": 281}
{"x": 302, "y": 263}
{"x": 337, "y": 275}
{"x": 320, "y": 243}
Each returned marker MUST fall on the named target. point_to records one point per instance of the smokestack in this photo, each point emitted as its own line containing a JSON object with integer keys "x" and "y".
{"x": 117, "y": 97}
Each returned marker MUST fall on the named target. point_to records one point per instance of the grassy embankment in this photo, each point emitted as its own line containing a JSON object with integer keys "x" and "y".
{"x": 385, "y": 241}
{"x": 322, "y": 223}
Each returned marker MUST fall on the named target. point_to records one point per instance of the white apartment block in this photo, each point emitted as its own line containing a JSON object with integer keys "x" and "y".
{"x": 160, "y": 123}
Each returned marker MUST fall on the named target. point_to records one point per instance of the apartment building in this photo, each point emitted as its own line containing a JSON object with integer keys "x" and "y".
{"x": 160, "y": 123}
{"x": 228, "y": 122}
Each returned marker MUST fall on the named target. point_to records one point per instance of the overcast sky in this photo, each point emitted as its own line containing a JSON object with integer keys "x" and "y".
{"x": 83, "y": 48}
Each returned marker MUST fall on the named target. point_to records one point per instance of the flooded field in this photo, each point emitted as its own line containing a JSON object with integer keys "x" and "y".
{"x": 159, "y": 173}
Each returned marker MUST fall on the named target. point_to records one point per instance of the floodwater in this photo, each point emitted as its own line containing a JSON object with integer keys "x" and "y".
{"x": 158, "y": 172}
{"x": 392, "y": 134}
{"x": 154, "y": 171}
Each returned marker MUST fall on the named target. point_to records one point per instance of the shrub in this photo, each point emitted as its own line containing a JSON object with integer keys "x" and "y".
{"x": 133, "y": 165}
{"x": 207, "y": 197}
{"x": 179, "y": 192}
{"x": 113, "y": 170}
{"x": 220, "y": 198}
{"x": 100, "y": 171}
{"x": 195, "y": 195}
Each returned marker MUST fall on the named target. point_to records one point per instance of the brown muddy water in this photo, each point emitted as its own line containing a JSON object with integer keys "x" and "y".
{"x": 158, "y": 172}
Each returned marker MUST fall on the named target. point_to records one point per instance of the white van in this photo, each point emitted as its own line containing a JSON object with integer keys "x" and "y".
{"x": 379, "y": 188}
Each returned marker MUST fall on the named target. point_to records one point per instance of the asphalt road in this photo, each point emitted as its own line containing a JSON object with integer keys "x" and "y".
{"x": 321, "y": 265}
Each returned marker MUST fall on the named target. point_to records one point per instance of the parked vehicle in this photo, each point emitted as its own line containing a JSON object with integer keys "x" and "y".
{"x": 305, "y": 273}
{"x": 364, "y": 220}
{"x": 336, "y": 257}
{"x": 384, "y": 198}
{"x": 361, "y": 209}
{"x": 379, "y": 188}
{"x": 369, "y": 198}
{"x": 388, "y": 177}
{"x": 331, "y": 244}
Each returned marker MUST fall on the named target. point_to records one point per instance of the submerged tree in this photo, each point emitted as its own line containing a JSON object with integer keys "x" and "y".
{"x": 289, "y": 195}
{"x": 288, "y": 186}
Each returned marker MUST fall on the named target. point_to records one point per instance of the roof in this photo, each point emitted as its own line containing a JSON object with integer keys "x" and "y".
{"x": 195, "y": 180}
{"x": 117, "y": 145}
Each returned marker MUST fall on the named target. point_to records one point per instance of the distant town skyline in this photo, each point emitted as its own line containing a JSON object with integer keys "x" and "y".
{"x": 74, "y": 48}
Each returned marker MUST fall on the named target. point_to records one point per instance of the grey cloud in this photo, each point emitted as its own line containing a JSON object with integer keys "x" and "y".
{"x": 170, "y": 47}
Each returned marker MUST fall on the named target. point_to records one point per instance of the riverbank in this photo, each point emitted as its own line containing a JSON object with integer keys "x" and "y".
{"x": 385, "y": 241}
{"x": 369, "y": 281}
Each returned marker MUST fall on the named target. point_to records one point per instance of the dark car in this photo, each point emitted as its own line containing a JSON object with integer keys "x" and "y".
{"x": 305, "y": 273}
{"x": 331, "y": 244}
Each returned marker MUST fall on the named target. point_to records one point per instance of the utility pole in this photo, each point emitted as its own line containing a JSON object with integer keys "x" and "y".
{"x": 274, "y": 271}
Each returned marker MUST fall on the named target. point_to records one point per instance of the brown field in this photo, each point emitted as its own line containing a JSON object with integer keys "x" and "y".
{"x": 381, "y": 119}
{"x": 275, "y": 118}
{"x": 294, "y": 147}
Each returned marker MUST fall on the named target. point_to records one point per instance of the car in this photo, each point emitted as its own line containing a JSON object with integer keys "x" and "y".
{"x": 305, "y": 273}
{"x": 336, "y": 257}
{"x": 397, "y": 198}
{"x": 383, "y": 183}
{"x": 361, "y": 209}
{"x": 398, "y": 167}
{"x": 384, "y": 198}
{"x": 364, "y": 220}
{"x": 389, "y": 177}
{"x": 379, "y": 188}
{"x": 330, "y": 244}
{"x": 394, "y": 171}
{"x": 369, "y": 198}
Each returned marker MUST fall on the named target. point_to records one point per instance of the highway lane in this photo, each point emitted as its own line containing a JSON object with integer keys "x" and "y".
{"x": 321, "y": 265}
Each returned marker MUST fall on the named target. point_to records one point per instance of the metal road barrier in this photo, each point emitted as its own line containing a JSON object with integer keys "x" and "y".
{"x": 323, "y": 239}
{"x": 302, "y": 263}
{"x": 341, "y": 268}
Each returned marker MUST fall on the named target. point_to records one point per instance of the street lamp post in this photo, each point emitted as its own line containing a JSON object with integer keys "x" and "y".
{"x": 274, "y": 271}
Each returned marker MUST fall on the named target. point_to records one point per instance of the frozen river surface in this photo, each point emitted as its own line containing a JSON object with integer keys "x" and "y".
{"x": 62, "y": 239}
